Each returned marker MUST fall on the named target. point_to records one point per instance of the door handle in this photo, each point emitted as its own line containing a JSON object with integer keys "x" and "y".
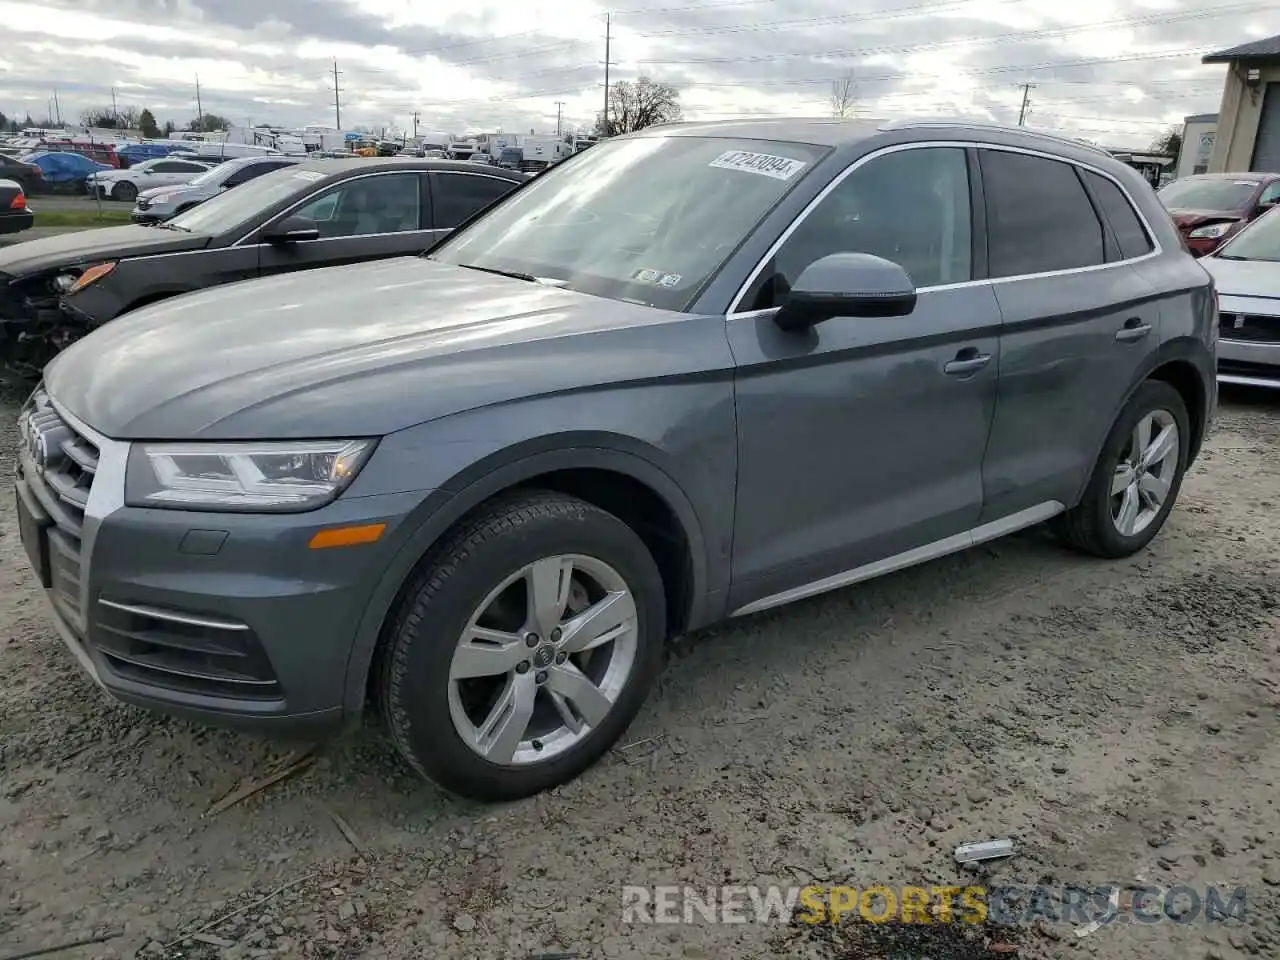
{"x": 1133, "y": 329}
{"x": 968, "y": 360}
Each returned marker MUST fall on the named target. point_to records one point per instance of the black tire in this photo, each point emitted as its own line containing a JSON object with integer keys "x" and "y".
{"x": 125, "y": 192}
{"x": 1089, "y": 526}
{"x": 511, "y": 531}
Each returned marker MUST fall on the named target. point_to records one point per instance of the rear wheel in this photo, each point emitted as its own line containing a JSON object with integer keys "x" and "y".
{"x": 1136, "y": 479}
{"x": 524, "y": 648}
{"x": 125, "y": 192}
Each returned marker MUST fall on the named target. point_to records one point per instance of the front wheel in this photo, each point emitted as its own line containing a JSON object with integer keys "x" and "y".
{"x": 523, "y": 648}
{"x": 125, "y": 192}
{"x": 1136, "y": 479}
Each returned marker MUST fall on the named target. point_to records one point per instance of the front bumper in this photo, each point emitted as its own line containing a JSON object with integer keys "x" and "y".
{"x": 1248, "y": 363}
{"x": 221, "y": 618}
{"x": 147, "y": 217}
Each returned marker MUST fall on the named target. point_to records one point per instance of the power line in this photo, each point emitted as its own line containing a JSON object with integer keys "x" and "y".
{"x": 960, "y": 41}
{"x": 897, "y": 13}
{"x": 986, "y": 71}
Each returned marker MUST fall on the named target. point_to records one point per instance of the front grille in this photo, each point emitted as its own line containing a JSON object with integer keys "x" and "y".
{"x": 58, "y": 465}
{"x": 190, "y": 653}
{"x": 1251, "y": 327}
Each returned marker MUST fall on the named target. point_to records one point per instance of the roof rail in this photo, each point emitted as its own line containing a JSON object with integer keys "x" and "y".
{"x": 988, "y": 125}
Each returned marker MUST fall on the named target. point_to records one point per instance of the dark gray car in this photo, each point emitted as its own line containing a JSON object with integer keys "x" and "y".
{"x": 323, "y": 213}
{"x": 689, "y": 374}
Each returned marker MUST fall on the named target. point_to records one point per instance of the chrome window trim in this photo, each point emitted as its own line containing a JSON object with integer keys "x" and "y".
{"x": 1156, "y": 248}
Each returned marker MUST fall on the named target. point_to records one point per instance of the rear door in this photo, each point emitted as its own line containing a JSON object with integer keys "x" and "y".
{"x": 1078, "y": 322}
{"x": 364, "y": 218}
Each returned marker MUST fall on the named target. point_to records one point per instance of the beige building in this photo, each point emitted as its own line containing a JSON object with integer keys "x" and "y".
{"x": 1248, "y": 129}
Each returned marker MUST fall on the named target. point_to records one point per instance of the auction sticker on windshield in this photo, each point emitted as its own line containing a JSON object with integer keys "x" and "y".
{"x": 780, "y": 168}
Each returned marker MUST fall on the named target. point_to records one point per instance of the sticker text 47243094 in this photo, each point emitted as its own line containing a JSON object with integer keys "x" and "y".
{"x": 765, "y": 164}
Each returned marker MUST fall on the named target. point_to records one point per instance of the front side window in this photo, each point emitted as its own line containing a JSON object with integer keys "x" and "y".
{"x": 647, "y": 220}
{"x": 387, "y": 203}
{"x": 1270, "y": 195}
{"x": 1039, "y": 218}
{"x": 455, "y": 197}
{"x": 909, "y": 206}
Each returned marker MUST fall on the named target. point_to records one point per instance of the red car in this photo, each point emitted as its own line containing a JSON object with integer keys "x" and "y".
{"x": 1209, "y": 208}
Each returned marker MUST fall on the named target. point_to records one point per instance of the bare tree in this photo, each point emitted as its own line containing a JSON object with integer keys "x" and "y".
{"x": 844, "y": 96}
{"x": 634, "y": 105}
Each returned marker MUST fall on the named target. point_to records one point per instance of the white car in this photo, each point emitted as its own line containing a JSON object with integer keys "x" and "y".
{"x": 126, "y": 184}
{"x": 1246, "y": 270}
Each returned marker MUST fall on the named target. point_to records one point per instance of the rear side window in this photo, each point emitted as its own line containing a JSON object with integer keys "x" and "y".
{"x": 1130, "y": 234}
{"x": 456, "y": 196}
{"x": 1039, "y": 218}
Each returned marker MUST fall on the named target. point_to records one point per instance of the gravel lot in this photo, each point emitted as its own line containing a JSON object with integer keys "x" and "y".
{"x": 1118, "y": 719}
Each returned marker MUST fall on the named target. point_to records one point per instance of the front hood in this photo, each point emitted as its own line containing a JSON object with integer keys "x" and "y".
{"x": 359, "y": 350}
{"x": 1190, "y": 219}
{"x": 175, "y": 190}
{"x": 91, "y": 246}
{"x": 1244, "y": 278}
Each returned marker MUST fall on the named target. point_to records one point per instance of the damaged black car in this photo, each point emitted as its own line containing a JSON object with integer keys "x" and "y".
{"x": 316, "y": 214}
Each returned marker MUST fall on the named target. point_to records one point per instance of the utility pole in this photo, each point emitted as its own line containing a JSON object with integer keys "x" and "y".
{"x": 559, "y": 110}
{"x": 608, "y": 37}
{"x": 337, "y": 105}
{"x": 1026, "y": 97}
{"x": 115, "y": 110}
{"x": 199, "y": 106}
{"x": 57, "y": 107}
{"x": 415, "y": 124}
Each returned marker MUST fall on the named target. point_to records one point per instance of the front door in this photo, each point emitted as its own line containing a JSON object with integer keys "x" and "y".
{"x": 862, "y": 439}
{"x": 364, "y": 218}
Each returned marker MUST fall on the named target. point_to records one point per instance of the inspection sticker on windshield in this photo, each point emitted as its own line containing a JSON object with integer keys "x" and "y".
{"x": 656, "y": 276}
{"x": 780, "y": 168}
{"x": 310, "y": 175}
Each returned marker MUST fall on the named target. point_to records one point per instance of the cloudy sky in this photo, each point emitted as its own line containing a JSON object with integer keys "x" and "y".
{"x": 1116, "y": 71}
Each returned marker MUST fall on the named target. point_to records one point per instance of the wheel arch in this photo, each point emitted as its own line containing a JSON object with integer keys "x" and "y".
{"x": 621, "y": 482}
{"x": 1187, "y": 365}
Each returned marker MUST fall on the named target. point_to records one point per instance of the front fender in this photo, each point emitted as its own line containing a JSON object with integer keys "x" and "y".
{"x": 445, "y": 506}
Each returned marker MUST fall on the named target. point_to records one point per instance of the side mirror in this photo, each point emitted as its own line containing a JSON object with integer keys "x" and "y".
{"x": 291, "y": 230}
{"x": 847, "y": 285}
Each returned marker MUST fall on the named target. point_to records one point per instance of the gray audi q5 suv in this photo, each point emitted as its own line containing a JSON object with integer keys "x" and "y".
{"x": 689, "y": 374}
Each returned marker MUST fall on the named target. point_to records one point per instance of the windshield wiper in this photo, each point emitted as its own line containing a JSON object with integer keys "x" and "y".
{"x": 513, "y": 274}
{"x": 172, "y": 226}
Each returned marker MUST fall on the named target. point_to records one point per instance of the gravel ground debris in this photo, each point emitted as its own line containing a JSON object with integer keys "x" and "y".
{"x": 1118, "y": 720}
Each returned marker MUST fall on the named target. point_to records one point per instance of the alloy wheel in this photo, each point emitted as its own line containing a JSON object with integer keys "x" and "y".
{"x": 1145, "y": 473}
{"x": 543, "y": 660}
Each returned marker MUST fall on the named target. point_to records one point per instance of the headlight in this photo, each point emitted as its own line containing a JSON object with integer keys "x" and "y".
{"x": 279, "y": 477}
{"x": 1211, "y": 232}
{"x": 90, "y": 276}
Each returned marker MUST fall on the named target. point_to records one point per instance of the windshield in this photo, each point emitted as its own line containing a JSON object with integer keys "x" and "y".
{"x": 647, "y": 220}
{"x": 1258, "y": 241}
{"x": 240, "y": 205}
{"x": 1215, "y": 194}
{"x": 212, "y": 175}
